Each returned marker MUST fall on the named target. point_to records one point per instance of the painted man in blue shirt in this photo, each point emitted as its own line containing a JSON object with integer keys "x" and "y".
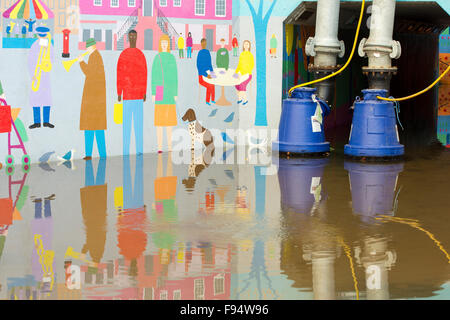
{"x": 205, "y": 69}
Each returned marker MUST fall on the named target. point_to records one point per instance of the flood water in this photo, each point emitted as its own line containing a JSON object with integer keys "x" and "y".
{"x": 148, "y": 228}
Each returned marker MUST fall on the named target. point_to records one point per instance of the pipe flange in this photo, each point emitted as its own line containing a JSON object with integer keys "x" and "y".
{"x": 323, "y": 69}
{"x": 361, "y": 51}
{"x": 309, "y": 47}
{"x": 396, "y": 50}
{"x": 386, "y": 70}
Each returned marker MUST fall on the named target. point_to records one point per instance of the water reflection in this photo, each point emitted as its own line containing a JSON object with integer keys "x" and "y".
{"x": 147, "y": 228}
{"x": 373, "y": 188}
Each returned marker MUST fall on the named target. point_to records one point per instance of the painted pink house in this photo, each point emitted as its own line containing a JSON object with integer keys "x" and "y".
{"x": 108, "y": 21}
{"x": 210, "y": 19}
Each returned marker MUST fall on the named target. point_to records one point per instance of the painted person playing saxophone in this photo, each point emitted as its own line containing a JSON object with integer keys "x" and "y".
{"x": 40, "y": 66}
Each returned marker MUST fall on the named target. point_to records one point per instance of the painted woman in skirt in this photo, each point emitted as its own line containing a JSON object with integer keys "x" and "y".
{"x": 165, "y": 91}
{"x": 245, "y": 66}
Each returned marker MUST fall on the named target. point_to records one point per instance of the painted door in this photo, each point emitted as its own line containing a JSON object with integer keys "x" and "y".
{"x": 148, "y": 8}
{"x": 148, "y": 39}
{"x": 209, "y": 35}
{"x": 108, "y": 39}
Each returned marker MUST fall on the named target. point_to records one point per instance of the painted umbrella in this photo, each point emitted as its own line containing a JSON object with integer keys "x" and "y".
{"x": 26, "y": 9}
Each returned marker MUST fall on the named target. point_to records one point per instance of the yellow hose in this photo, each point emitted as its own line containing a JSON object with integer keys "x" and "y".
{"x": 420, "y": 92}
{"x": 349, "y": 58}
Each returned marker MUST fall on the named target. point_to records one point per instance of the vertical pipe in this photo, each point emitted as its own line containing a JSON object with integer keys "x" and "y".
{"x": 323, "y": 276}
{"x": 327, "y": 45}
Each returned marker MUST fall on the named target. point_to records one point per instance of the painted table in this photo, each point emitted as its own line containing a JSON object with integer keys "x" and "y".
{"x": 224, "y": 78}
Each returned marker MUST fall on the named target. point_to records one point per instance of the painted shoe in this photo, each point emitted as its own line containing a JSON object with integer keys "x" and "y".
{"x": 87, "y": 158}
{"x": 48, "y": 125}
{"x": 239, "y": 101}
{"x": 36, "y": 125}
{"x": 208, "y": 103}
{"x": 245, "y": 103}
{"x": 213, "y": 102}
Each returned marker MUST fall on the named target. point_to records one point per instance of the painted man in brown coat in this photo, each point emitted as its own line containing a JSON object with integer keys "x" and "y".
{"x": 93, "y": 106}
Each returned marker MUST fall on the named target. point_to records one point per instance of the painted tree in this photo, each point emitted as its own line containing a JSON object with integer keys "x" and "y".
{"x": 260, "y": 21}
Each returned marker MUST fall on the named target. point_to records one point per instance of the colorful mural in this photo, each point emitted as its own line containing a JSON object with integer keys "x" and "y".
{"x": 443, "y": 127}
{"x": 244, "y": 55}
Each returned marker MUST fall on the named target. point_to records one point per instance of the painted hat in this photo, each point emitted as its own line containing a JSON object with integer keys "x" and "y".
{"x": 90, "y": 42}
{"x": 42, "y": 31}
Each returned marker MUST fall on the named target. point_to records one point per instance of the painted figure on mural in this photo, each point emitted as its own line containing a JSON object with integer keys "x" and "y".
{"x": 245, "y": 66}
{"x": 40, "y": 60}
{"x": 42, "y": 262}
{"x": 30, "y": 22}
{"x": 205, "y": 69}
{"x": 132, "y": 88}
{"x": 93, "y": 105}
{"x": 222, "y": 56}
{"x": 132, "y": 217}
{"x": 24, "y": 31}
{"x": 165, "y": 209}
{"x": 189, "y": 44}
{"x": 181, "y": 46}
{"x": 235, "y": 45}
{"x": 8, "y": 31}
{"x": 165, "y": 91}
{"x": 273, "y": 46}
{"x": 94, "y": 199}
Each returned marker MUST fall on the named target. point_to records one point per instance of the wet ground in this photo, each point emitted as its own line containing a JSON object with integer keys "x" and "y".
{"x": 149, "y": 228}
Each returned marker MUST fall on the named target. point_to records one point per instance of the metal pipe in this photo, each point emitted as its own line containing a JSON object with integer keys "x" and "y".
{"x": 325, "y": 46}
{"x": 380, "y": 48}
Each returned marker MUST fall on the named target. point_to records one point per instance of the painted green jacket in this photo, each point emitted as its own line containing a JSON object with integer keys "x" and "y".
{"x": 170, "y": 75}
{"x": 223, "y": 58}
{"x": 273, "y": 43}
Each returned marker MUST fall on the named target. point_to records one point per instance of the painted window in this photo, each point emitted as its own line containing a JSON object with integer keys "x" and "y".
{"x": 177, "y": 295}
{"x": 219, "y": 284}
{"x": 221, "y": 8}
{"x": 177, "y": 3}
{"x": 163, "y": 295}
{"x": 98, "y": 35}
{"x": 86, "y": 34}
{"x": 200, "y": 7}
{"x": 199, "y": 289}
{"x": 98, "y": 3}
{"x": 163, "y": 3}
{"x": 114, "y": 3}
{"x": 132, "y": 3}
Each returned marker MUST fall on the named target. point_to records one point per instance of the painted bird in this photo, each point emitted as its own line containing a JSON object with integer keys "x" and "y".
{"x": 46, "y": 157}
{"x": 45, "y": 166}
{"x": 253, "y": 141}
{"x": 68, "y": 156}
{"x": 226, "y": 153}
{"x": 226, "y": 138}
{"x": 213, "y": 113}
{"x": 229, "y": 173}
{"x": 230, "y": 118}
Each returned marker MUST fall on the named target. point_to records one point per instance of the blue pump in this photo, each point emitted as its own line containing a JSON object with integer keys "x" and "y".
{"x": 301, "y": 128}
{"x": 374, "y": 131}
{"x": 301, "y": 183}
{"x": 373, "y": 188}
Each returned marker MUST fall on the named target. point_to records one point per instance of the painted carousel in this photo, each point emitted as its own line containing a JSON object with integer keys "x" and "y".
{"x": 22, "y": 19}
